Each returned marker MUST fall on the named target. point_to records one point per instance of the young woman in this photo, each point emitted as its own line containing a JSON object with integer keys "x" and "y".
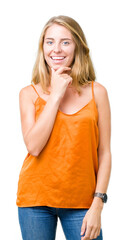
{"x": 66, "y": 126}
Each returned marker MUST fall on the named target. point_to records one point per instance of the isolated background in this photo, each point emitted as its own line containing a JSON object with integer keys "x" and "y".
{"x": 104, "y": 24}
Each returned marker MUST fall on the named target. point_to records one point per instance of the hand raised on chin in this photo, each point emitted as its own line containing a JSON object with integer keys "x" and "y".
{"x": 60, "y": 79}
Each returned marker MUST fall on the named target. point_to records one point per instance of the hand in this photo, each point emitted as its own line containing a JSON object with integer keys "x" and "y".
{"x": 91, "y": 225}
{"x": 60, "y": 81}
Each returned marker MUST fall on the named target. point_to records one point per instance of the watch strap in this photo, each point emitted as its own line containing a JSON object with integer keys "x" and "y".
{"x": 98, "y": 195}
{"x": 103, "y": 196}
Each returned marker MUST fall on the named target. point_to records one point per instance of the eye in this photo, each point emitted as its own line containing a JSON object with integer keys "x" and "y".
{"x": 49, "y": 42}
{"x": 66, "y": 43}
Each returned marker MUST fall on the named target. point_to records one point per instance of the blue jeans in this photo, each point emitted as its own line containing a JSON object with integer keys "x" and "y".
{"x": 39, "y": 223}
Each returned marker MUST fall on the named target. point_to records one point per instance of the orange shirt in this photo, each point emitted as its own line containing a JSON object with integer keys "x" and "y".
{"x": 64, "y": 174}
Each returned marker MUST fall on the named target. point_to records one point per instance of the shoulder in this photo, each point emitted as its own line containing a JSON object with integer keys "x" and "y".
{"x": 26, "y": 93}
{"x": 100, "y": 93}
{"x": 99, "y": 88}
{"x": 25, "y": 89}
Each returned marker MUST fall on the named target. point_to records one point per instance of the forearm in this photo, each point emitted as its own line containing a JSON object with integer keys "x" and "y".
{"x": 103, "y": 177}
{"x": 40, "y": 132}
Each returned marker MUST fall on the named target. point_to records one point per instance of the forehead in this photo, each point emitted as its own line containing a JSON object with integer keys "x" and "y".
{"x": 56, "y": 31}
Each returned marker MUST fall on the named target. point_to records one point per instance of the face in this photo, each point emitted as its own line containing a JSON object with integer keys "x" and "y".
{"x": 58, "y": 47}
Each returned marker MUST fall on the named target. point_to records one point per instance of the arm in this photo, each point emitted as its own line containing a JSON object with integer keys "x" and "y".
{"x": 36, "y": 134}
{"x": 92, "y": 220}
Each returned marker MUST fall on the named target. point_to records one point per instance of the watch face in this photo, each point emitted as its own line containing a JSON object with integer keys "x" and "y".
{"x": 105, "y": 198}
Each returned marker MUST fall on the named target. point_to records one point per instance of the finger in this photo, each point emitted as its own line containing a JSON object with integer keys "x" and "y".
{"x": 98, "y": 232}
{"x": 93, "y": 233}
{"x": 83, "y": 228}
{"x": 63, "y": 69}
{"x": 69, "y": 83}
{"x": 87, "y": 233}
{"x": 52, "y": 70}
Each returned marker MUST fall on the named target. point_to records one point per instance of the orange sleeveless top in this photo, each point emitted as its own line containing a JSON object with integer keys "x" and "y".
{"x": 65, "y": 172}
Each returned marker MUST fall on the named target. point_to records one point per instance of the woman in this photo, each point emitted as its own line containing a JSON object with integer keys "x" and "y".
{"x": 65, "y": 119}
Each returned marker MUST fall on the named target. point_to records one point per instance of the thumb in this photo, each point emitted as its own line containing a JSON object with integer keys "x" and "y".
{"x": 52, "y": 70}
{"x": 83, "y": 228}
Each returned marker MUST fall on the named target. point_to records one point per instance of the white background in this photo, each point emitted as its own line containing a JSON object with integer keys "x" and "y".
{"x": 21, "y": 23}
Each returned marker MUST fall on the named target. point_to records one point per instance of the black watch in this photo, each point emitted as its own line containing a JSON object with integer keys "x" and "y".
{"x": 103, "y": 196}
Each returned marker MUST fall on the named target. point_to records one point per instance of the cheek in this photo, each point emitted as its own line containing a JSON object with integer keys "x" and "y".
{"x": 46, "y": 50}
{"x": 71, "y": 53}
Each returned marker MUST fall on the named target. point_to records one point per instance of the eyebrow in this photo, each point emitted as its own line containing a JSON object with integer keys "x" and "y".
{"x": 61, "y": 39}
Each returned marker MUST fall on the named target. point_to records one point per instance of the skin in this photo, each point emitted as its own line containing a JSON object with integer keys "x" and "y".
{"x": 59, "y": 42}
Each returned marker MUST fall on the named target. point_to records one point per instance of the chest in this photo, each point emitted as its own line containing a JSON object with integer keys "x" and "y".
{"x": 73, "y": 105}
{"x": 73, "y": 102}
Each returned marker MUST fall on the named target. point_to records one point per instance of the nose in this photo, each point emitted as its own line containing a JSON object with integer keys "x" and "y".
{"x": 57, "y": 48}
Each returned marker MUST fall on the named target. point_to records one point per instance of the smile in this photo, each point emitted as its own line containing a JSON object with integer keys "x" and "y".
{"x": 57, "y": 58}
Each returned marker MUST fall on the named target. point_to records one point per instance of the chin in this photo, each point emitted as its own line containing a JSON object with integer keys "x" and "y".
{"x": 56, "y": 67}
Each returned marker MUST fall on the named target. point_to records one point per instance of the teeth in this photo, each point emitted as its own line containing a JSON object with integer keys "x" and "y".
{"x": 57, "y": 58}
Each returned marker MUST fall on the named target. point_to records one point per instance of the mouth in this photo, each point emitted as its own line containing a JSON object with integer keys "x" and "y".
{"x": 56, "y": 59}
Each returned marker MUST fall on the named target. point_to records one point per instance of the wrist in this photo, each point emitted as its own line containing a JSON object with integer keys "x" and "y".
{"x": 55, "y": 98}
{"x": 97, "y": 203}
{"x": 103, "y": 196}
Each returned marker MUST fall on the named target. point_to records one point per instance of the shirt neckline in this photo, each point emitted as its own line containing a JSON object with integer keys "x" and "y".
{"x": 63, "y": 112}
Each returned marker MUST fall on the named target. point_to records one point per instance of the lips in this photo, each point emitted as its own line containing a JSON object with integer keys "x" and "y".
{"x": 57, "y": 58}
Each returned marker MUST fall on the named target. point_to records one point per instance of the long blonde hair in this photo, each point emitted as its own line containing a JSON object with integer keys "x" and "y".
{"x": 82, "y": 71}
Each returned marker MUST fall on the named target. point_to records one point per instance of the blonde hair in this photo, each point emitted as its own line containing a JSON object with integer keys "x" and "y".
{"x": 82, "y": 71}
